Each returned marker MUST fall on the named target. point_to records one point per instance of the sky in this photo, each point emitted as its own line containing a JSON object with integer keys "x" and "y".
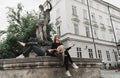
{"x": 29, "y": 5}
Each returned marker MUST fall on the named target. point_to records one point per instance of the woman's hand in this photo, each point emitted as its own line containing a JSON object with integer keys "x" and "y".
{"x": 21, "y": 43}
{"x": 73, "y": 45}
{"x": 50, "y": 50}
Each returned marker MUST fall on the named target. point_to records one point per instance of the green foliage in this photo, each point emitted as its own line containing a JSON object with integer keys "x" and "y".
{"x": 22, "y": 26}
{"x": 2, "y": 32}
{"x": 50, "y": 30}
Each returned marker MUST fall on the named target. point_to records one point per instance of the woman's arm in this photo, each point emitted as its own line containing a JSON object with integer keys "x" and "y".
{"x": 52, "y": 48}
{"x": 70, "y": 47}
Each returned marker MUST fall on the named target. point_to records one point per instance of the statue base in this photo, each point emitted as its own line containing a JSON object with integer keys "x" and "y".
{"x": 48, "y": 67}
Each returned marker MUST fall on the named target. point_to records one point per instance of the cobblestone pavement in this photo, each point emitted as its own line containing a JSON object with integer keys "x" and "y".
{"x": 110, "y": 74}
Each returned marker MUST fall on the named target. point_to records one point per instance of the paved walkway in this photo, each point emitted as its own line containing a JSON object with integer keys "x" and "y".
{"x": 110, "y": 74}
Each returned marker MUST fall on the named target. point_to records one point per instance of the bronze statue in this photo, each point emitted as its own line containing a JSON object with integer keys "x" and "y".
{"x": 44, "y": 19}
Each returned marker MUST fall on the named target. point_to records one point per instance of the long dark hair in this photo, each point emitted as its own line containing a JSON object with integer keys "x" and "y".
{"x": 55, "y": 38}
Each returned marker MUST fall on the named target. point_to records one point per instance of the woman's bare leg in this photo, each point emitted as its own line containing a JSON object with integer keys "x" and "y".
{"x": 61, "y": 49}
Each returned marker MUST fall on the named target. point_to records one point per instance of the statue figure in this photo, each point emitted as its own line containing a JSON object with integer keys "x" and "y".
{"x": 41, "y": 34}
{"x": 44, "y": 19}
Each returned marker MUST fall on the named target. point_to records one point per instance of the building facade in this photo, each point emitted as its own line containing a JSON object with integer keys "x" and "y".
{"x": 92, "y": 25}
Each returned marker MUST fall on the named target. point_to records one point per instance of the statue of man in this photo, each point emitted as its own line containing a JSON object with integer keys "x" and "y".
{"x": 44, "y": 19}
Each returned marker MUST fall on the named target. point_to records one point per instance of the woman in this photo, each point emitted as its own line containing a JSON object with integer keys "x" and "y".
{"x": 32, "y": 44}
{"x": 57, "y": 48}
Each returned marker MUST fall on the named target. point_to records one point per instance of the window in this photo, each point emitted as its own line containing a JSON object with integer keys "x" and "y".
{"x": 93, "y": 16}
{"x": 103, "y": 27}
{"x": 85, "y": 13}
{"x": 58, "y": 31}
{"x": 90, "y": 53}
{"x": 76, "y": 29}
{"x": 79, "y": 53}
{"x": 108, "y": 56}
{"x": 101, "y": 19}
{"x": 118, "y": 35}
{"x": 95, "y": 33}
{"x": 74, "y": 10}
{"x": 87, "y": 31}
{"x": 105, "y": 9}
{"x": 110, "y": 29}
{"x": 103, "y": 35}
{"x": 116, "y": 56}
{"x": 103, "y": 32}
{"x": 99, "y": 54}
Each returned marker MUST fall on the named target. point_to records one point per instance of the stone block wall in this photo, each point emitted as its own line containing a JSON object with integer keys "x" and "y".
{"x": 47, "y": 67}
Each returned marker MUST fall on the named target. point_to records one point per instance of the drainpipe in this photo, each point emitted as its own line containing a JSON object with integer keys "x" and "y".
{"x": 91, "y": 28}
{"x": 113, "y": 29}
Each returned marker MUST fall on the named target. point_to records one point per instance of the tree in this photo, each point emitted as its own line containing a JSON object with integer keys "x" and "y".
{"x": 22, "y": 26}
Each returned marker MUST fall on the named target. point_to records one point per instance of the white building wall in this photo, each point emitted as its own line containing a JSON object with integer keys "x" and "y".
{"x": 101, "y": 34}
{"x": 59, "y": 13}
{"x": 105, "y": 39}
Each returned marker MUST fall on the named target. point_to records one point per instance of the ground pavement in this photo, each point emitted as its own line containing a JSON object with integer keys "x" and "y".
{"x": 110, "y": 74}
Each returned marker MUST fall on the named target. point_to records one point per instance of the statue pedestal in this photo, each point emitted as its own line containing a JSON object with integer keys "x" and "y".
{"x": 47, "y": 67}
